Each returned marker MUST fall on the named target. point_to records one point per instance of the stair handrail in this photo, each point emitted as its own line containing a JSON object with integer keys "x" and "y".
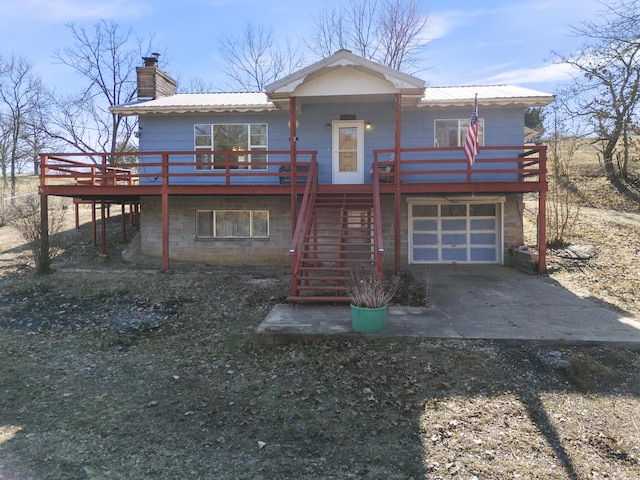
{"x": 378, "y": 245}
{"x": 302, "y": 224}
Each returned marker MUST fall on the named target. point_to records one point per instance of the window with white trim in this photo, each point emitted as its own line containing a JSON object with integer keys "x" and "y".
{"x": 451, "y": 133}
{"x": 241, "y": 137}
{"x": 232, "y": 224}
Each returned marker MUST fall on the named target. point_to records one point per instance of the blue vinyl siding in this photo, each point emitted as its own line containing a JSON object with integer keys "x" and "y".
{"x": 503, "y": 126}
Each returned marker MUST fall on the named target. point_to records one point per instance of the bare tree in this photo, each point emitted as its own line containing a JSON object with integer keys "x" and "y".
{"x": 253, "y": 60}
{"x": 20, "y": 91}
{"x": 329, "y": 33}
{"x": 605, "y": 91}
{"x": 106, "y": 58}
{"x": 562, "y": 209}
{"x": 390, "y": 32}
{"x": 195, "y": 85}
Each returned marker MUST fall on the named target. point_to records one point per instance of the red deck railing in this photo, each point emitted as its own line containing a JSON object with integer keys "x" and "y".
{"x": 414, "y": 165}
{"x": 446, "y": 165}
{"x": 166, "y": 168}
{"x": 302, "y": 224}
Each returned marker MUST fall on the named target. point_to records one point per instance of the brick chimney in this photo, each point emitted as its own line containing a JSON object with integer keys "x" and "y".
{"x": 152, "y": 82}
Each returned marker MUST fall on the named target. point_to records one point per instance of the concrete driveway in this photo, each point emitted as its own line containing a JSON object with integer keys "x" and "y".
{"x": 470, "y": 302}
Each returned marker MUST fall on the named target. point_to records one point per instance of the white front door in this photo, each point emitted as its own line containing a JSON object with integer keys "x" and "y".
{"x": 348, "y": 151}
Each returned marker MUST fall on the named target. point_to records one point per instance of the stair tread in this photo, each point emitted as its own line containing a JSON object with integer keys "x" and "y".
{"x": 340, "y": 235}
{"x": 336, "y": 299}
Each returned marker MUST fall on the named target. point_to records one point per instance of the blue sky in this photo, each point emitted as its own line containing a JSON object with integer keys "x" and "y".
{"x": 473, "y": 42}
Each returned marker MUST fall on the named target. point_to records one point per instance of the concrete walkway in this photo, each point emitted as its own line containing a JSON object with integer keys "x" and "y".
{"x": 470, "y": 302}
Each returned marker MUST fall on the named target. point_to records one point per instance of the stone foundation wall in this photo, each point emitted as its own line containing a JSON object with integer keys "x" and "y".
{"x": 183, "y": 244}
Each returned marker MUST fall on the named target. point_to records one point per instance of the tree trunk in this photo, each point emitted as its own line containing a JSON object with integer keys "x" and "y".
{"x": 616, "y": 180}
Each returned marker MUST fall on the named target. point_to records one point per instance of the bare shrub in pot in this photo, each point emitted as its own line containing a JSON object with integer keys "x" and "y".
{"x": 370, "y": 289}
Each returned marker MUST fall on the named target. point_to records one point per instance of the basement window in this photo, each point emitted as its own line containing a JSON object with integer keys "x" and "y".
{"x": 232, "y": 224}
{"x": 233, "y": 137}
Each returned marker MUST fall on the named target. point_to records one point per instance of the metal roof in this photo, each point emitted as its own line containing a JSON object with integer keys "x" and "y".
{"x": 499, "y": 95}
{"x": 198, "y": 103}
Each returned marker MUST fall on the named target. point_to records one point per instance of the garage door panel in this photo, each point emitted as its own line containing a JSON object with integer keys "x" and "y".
{"x": 425, "y": 254}
{"x": 448, "y": 225}
{"x": 453, "y": 210}
{"x": 482, "y": 210}
{"x": 429, "y": 225}
{"x": 454, "y": 254}
{"x": 425, "y": 238}
{"x": 483, "y": 239}
{"x": 483, "y": 254}
{"x": 454, "y": 238}
{"x": 483, "y": 224}
{"x": 455, "y": 233}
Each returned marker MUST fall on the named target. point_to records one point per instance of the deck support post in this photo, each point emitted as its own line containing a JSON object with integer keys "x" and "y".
{"x": 94, "y": 230}
{"x": 43, "y": 263}
{"x": 165, "y": 212}
{"x": 103, "y": 231}
{"x": 397, "y": 194}
{"x": 542, "y": 232}
{"x": 124, "y": 222}
{"x": 292, "y": 145}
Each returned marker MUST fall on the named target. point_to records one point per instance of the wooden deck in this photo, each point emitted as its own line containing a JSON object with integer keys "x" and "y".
{"x": 126, "y": 177}
{"x": 418, "y": 170}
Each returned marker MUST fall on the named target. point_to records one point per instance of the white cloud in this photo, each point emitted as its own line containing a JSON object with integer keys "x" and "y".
{"x": 439, "y": 25}
{"x": 555, "y": 72}
{"x": 53, "y": 11}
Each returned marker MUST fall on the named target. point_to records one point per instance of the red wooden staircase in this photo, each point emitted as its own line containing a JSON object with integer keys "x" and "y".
{"x": 339, "y": 233}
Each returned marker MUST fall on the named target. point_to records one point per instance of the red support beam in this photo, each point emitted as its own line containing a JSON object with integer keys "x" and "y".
{"x": 44, "y": 229}
{"x": 124, "y": 222}
{"x": 293, "y": 139}
{"x": 94, "y": 230}
{"x": 103, "y": 232}
{"x": 165, "y": 213}
{"x": 397, "y": 194}
{"x": 542, "y": 232}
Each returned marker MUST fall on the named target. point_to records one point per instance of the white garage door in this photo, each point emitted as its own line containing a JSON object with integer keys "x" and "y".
{"x": 460, "y": 232}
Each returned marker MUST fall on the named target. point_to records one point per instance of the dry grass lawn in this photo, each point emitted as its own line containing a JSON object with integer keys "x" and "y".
{"x": 115, "y": 371}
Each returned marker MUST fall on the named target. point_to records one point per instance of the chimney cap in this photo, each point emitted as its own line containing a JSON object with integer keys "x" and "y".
{"x": 151, "y": 61}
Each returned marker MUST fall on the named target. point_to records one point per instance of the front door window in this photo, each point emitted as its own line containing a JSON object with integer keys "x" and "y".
{"x": 348, "y": 152}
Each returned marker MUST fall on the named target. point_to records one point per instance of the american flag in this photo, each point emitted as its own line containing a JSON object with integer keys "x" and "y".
{"x": 471, "y": 140}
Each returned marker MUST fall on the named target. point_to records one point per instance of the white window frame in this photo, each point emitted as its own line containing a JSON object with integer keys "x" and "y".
{"x": 213, "y": 221}
{"x": 210, "y": 146}
{"x": 462, "y": 127}
{"x": 499, "y": 201}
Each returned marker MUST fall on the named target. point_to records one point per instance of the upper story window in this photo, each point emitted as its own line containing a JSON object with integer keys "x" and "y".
{"x": 451, "y": 133}
{"x": 240, "y": 137}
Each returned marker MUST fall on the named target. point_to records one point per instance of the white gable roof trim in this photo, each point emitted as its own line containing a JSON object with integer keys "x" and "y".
{"x": 343, "y": 58}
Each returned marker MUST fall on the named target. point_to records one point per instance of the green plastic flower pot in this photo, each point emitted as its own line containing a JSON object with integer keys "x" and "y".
{"x": 368, "y": 320}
